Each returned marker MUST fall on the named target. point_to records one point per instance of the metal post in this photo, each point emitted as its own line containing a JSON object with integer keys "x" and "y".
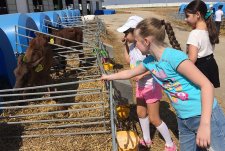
{"x": 114, "y": 145}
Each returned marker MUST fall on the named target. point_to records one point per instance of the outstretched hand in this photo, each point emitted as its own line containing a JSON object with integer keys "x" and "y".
{"x": 105, "y": 77}
{"x": 137, "y": 78}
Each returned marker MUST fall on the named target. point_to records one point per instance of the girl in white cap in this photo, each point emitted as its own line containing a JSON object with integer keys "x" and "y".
{"x": 148, "y": 92}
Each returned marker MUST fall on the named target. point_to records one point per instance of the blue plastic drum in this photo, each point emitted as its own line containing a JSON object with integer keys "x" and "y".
{"x": 7, "y": 62}
{"x": 25, "y": 22}
{"x": 55, "y": 18}
{"x": 42, "y": 20}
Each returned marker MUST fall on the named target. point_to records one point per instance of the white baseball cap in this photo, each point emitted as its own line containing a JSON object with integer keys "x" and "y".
{"x": 132, "y": 22}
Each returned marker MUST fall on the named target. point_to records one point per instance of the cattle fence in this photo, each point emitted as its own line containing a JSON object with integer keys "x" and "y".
{"x": 76, "y": 102}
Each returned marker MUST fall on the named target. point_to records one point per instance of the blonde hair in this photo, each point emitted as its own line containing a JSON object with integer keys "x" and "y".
{"x": 157, "y": 28}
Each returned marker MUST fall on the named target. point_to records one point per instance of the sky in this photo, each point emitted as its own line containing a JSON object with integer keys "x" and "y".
{"x": 124, "y": 2}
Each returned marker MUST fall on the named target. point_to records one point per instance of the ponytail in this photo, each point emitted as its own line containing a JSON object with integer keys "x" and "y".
{"x": 171, "y": 35}
{"x": 213, "y": 34}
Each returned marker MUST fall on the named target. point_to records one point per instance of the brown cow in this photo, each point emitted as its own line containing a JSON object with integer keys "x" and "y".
{"x": 74, "y": 34}
{"x": 34, "y": 67}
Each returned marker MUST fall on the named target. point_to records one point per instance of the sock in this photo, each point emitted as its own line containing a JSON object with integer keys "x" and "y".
{"x": 145, "y": 128}
{"x": 164, "y": 131}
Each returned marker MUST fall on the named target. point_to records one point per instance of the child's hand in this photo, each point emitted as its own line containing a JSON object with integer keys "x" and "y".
{"x": 124, "y": 41}
{"x": 137, "y": 78}
{"x": 203, "y": 136}
{"x": 105, "y": 77}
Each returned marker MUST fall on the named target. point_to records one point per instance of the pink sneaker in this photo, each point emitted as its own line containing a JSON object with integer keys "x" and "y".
{"x": 173, "y": 148}
{"x": 145, "y": 143}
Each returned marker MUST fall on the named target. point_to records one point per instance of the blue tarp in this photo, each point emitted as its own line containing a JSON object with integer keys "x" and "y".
{"x": 182, "y": 8}
{"x": 105, "y": 12}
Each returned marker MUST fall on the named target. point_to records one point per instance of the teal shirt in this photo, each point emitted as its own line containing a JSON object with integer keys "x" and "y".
{"x": 184, "y": 95}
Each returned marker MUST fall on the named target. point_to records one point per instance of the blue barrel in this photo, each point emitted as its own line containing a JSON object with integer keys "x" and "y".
{"x": 42, "y": 20}
{"x": 75, "y": 13}
{"x": 7, "y": 61}
{"x": 55, "y": 18}
{"x": 62, "y": 15}
{"x": 10, "y": 21}
{"x": 69, "y": 14}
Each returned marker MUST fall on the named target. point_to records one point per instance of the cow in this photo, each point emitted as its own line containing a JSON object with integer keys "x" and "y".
{"x": 34, "y": 66}
{"x": 74, "y": 34}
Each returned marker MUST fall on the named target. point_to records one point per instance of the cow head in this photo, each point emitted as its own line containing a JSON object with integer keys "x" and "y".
{"x": 21, "y": 72}
{"x": 31, "y": 62}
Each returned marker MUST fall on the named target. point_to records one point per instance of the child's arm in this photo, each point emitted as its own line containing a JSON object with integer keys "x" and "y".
{"x": 137, "y": 78}
{"x": 192, "y": 53}
{"x": 126, "y": 74}
{"x": 189, "y": 70}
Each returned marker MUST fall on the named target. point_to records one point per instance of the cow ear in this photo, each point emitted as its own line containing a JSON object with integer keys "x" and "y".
{"x": 20, "y": 59}
{"x": 37, "y": 34}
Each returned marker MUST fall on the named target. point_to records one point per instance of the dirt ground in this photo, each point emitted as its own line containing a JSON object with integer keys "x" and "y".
{"x": 181, "y": 30}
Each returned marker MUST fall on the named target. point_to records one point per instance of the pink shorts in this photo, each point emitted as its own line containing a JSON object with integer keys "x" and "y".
{"x": 150, "y": 94}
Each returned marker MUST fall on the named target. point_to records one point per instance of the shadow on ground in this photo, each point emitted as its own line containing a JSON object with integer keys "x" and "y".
{"x": 8, "y": 141}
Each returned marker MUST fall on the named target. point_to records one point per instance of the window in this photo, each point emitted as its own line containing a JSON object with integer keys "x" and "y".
{"x": 3, "y": 7}
{"x": 38, "y": 6}
{"x": 69, "y": 4}
{"x": 97, "y": 5}
{"x": 57, "y": 4}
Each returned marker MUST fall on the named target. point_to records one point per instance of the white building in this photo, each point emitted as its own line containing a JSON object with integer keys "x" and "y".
{"x": 27, "y": 6}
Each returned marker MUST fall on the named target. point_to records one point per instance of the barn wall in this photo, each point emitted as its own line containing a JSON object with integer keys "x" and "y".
{"x": 11, "y": 5}
{"x": 26, "y": 6}
{"x": 22, "y": 6}
{"x": 48, "y": 5}
{"x": 84, "y": 7}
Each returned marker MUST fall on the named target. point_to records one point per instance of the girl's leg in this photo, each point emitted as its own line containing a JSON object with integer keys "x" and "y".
{"x": 144, "y": 120}
{"x": 153, "y": 112}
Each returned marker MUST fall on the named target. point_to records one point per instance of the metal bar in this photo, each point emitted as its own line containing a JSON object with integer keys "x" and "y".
{"x": 50, "y": 105}
{"x": 47, "y": 98}
{"x": 92, "y": 76}
{"x": 83, "y": 67}
{"x": 48, "y": 113}
{"x": 16, "y": 39}
{"x": 21, "y": 45}
{"x": 55, "y": 120}
{"x": 103, "y": 109}
{"x": 69, "y": 125}
{"x": 25, "y": 36}
{"x": 51, "y": 92}
{"x": 51, "y": 85}
{"x": 50, "y": 35}
{"x": 113, "y": 131}
{"x": 82, "y": 58}
{"x": 59, "y": 134}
